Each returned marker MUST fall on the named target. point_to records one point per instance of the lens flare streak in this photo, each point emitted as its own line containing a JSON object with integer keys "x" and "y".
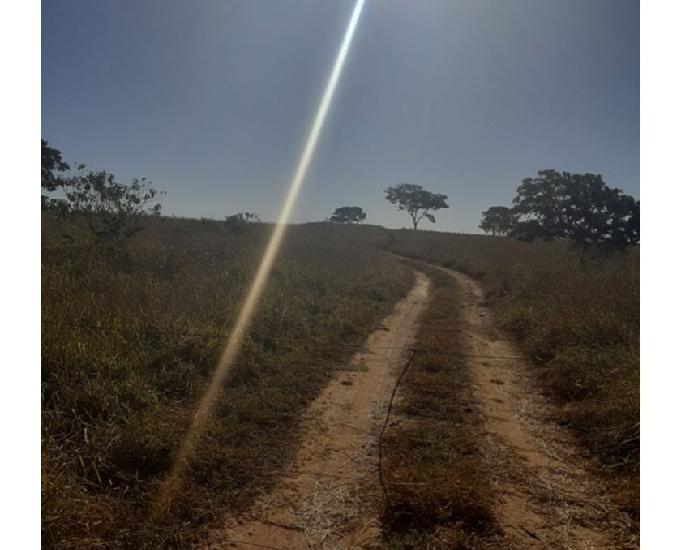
{"x": 235, "y": 338}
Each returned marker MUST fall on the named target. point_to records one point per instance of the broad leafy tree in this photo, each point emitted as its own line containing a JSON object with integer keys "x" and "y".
{"x": 348, "y": 214}
{"x": 498, "y": 220}
{"x": 416, "y": 201}
{"x": 580, "y": 207}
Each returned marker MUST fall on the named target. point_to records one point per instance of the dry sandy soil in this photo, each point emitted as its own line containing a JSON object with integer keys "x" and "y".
{"x": 331, "y": 498}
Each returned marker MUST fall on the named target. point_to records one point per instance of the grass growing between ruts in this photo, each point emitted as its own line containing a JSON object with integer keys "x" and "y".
{"x": 130, "y": 336}
{"x": 439, "y": 493}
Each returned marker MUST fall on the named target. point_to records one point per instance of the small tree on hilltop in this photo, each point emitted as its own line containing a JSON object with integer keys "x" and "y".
{"x": 348, "y": 214}
{"x": 416, "y": 201}
{"x": 237, "y": 222}
{"x": 498, "y": 220}
{"x": 243, "y": 217}
{"x": 575, "y": 206}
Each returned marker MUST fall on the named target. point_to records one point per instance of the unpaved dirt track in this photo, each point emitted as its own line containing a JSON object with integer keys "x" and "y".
{"x": 331, "y": 498}
{"x": 548, "y": 496}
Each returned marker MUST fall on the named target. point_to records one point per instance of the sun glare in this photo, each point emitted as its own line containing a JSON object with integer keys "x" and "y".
{"x": 235, "y": 337}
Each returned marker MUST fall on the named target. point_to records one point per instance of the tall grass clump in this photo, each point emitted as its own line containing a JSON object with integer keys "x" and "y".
{"x": 131, "y": 332}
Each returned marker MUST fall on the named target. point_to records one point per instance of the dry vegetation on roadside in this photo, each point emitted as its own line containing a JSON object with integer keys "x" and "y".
{"x": 131, "y": 333}
{"x": 577, "y": 316}
{"x": 439, "y": 486}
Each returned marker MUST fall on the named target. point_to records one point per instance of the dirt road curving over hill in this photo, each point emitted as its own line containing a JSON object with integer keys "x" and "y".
{"x": 331, "y": 498}
{"x": 548, "y": 493}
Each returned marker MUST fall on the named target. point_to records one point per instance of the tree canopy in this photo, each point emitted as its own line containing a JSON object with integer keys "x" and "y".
{"x": 575, "y": 206}
{"x": 110, "y": 208}
{"x": 51, "y": 166}
{"x": 416, "y": 201}
{"x": 348, "y": 214}
{"x": 498, "y": 220}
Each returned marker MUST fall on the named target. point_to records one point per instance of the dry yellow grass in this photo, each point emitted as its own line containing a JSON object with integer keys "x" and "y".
{"x": 130, "y": 336}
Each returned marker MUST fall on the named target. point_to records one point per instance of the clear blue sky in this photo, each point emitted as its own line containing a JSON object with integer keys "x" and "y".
{"x": 211, "y": 100}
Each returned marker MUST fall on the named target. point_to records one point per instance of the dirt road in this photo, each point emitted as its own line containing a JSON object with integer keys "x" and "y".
{"x": 548, "y": 495}
{"x": 330, "y": 500}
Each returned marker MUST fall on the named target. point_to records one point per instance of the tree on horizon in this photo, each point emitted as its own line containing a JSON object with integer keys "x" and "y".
{"x": 580, "y": 207}
{"x": 498, "y": 220}
{"x": 348, "y": 214}
{"x": 416, "y": 201}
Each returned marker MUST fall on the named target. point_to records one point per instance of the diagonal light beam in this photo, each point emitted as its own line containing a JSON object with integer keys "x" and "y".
{"x": 243, "y": 322}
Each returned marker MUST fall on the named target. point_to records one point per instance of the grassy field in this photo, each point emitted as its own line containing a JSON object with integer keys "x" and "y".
{"x": 577, "y": 316}
{"x": 131, "y": 333}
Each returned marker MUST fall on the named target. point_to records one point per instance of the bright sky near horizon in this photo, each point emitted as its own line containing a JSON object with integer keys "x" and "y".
{"x": 212, "y": 100}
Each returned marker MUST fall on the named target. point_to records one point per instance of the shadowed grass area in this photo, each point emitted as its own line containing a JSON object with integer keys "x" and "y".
{"x": 130, "y": 336}
{"x": 439, "y": 488}
{"x": 577, "y": 316}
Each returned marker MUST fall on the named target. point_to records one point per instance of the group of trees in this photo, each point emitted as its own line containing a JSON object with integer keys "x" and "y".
{"x": 114, "y": 209}
{"x": 410, "y": 198}
{"x": 562, "y": 205}
{"x": 111, "y": 209}
{"x": 551, "y": 205}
